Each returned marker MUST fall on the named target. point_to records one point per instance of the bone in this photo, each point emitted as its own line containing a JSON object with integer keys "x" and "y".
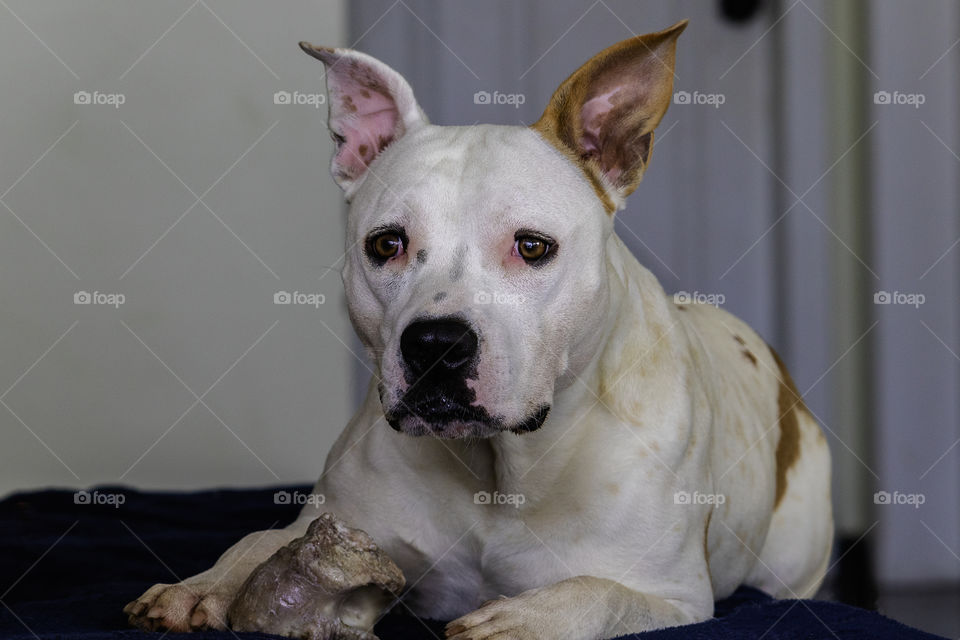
{"x": 330, "y": 584}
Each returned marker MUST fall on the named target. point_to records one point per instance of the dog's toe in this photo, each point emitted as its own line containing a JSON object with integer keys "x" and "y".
{"x": 163, "y": 606}
{"x": 199, "y": 619}
{"x": 181, "y": 607}
{"x": 516, "y": 618}
{"x": 484, "y": 623}
{"x": 211, "y": 612}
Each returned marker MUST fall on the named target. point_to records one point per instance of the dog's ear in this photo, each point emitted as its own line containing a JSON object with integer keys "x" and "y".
{"x": 603, "y": 116}
{"x": 370, "y": 106}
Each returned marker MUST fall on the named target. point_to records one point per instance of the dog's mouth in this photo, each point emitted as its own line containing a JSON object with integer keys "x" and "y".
{"x": 445, "y": 413}
{"x": 441, "y": 412}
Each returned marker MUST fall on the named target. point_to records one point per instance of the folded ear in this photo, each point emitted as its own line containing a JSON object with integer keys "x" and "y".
{"x": 370, "y": 106}
{"x": 603, "y": 116}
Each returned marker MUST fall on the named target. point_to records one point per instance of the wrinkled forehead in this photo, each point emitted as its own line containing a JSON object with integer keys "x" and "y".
{"x": 466, "y": 173}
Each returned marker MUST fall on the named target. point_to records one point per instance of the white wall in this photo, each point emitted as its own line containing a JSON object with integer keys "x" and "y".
{"x": 87, "y": 206}
{"x": 916, "y": 166}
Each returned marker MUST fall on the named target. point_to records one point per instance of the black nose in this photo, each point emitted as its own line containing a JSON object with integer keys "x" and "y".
{"x": 438, "y": 346}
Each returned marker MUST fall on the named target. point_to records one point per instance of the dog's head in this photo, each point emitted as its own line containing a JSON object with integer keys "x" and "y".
{"x": 476, "y": 270}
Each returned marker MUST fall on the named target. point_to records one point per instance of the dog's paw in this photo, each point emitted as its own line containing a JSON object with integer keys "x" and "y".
{"x": 521, "y": 617}
{"x": 180, "y": 607}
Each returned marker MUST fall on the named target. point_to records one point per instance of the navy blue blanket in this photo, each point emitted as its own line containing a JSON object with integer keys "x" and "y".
{"x": 67, "y": 569}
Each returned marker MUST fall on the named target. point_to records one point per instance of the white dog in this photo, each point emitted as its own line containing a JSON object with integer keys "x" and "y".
{"x": 591, "y": 459}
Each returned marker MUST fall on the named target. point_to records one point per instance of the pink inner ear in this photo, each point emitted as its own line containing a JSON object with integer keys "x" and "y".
{"x": 594, "y": 115}
{"x": 365, "y": 115}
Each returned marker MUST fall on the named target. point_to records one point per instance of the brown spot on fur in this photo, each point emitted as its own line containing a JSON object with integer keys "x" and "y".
{"x": 348, "y": 104}
{"x": 739, "y": 340}
{"x": 789, "y": 404}
{"x": 682, "y": 307}
{"x": 364, "y": 93}
{"x": 612, "y": 488}
{"x": 749, "y": 356}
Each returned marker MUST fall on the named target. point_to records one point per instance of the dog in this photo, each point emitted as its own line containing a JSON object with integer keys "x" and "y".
{"x": 550, "y": 446}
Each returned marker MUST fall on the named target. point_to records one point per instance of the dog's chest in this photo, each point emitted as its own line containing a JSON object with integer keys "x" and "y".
{"x": 497, "y": 554}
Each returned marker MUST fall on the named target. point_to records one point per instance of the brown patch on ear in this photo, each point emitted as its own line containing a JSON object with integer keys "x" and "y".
{"x": 789, "y": 403}
{"x": 749, "y": 356}
{"x": 739, "y": 340}
{"x": 320, "y": 53}
{"x": 602, "y": 117}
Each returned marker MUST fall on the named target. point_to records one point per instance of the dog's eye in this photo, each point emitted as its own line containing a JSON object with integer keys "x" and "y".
{"x": 385, "y": 245}
{"x": 531, "y": 248}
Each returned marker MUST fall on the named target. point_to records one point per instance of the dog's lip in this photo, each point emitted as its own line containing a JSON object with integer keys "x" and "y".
{"x": 440, "y": 411}
{"x": 439, "y": 408}
{"x": 439, "y": 414}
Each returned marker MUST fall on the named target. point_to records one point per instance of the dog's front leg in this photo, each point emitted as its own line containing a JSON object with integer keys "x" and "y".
{"x": 201, "y": 601}
{"x": 580, "y": 608}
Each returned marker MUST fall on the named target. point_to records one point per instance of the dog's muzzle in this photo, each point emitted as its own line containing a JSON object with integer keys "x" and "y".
{"x": 439, "y": 356}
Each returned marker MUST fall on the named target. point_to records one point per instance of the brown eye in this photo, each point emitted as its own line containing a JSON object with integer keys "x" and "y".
{"x": 386, "y": 245}
{"x": 531, "y": 249}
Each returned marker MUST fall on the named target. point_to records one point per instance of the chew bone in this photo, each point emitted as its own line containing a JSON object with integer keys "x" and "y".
{"x": 330, "y": 584}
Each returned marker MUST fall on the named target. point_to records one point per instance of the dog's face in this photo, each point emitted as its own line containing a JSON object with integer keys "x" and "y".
{"x": 476, "y": 270}
{"x": 475, "y": 288}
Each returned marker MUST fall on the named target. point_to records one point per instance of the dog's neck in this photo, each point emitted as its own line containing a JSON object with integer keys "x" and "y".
{"x": 527, "y": 463}
{"x": 531, "y": 462}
